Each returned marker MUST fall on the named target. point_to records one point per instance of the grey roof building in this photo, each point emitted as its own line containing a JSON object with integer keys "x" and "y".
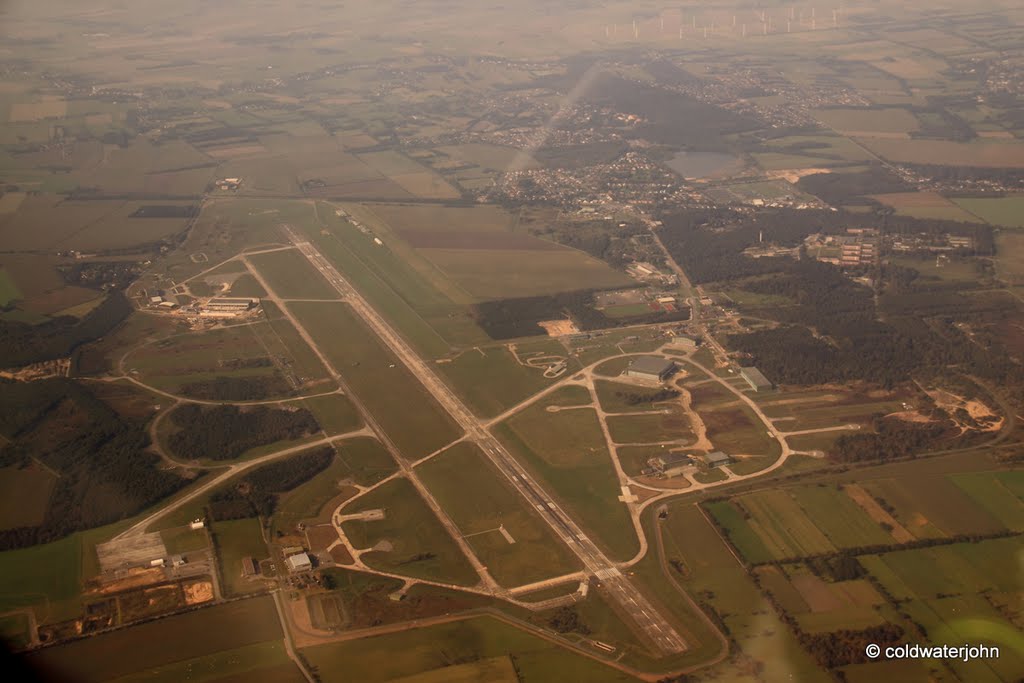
{"x": 756, "y": 380}
{"x": 651, "y": 368}
{"x": 714, "y": 459}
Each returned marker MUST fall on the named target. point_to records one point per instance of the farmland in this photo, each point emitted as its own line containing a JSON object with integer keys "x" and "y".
{"x": 196, "y": 635}
{"x": 1007, "y": 210}
{"x": 480, "y": 502}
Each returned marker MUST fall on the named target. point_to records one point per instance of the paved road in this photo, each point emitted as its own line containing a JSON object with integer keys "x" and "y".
{"x": 650, "y": 620}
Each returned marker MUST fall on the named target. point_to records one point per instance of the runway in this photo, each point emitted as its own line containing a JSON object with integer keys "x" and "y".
{"x": 618, "y": 586}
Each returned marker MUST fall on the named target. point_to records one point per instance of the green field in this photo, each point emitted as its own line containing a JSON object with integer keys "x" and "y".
{"x": 868, "y": 121}
{"x": 988, "y": 491}
{"x": 386, "y": 657}
{"x": 490, "y": 380}
{"x": 377, "y": 378}
{"x": 612, "y": 396}
{"x": 782, "y": 526}
{"x": 198, "y": 634}
{"x": 479, "y": 500}
{"x": 267, "y": 661}
{"x": 933, "y": 506}
{"x": 234, "y": 540}
{"x": 1007, "y": 210}
{"x": 844, "y": 522}
{"x": 292, "y": 276}
{"x": 420, "y": 545}
{"x": 566, "y": 450}
{"x": 335, "y": 413}
{"x": 8, "y": 288}
{"x": 650, "y": 428}
{"x": 363, "y": 461}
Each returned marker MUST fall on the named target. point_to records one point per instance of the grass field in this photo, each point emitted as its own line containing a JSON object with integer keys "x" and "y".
{"x": 509, "y": 273}
{"x": 1007, "y": 210}
{"x": 197, "y": 634}
{"x": 981, "y": 153}
{"x": 363, "y": 461}
{"x": 844, "y": 523}
{"x": 783, "y": 526}
{"x": 926, "y": 205}
{"x": 8, "y": 288}
{"x": 236, "y": 539}
{"x": 988, "y": 491}
{"x": 386, "y": 657}
{"x": 932, "y": 506}
{"x": 650, "y": 428}
{"x": 1010, "y": 259}
{"x": 885, "y": 122}
{"x": 267, "y": 661}
{"x": 335, "y": 413}
{"x": 24, "y": 496}
{"x": 612, "y": 396}
{"x": 419, "y": 544}
{"x": 291, "y": 275}
{"x": 490, "y": 380}
{"x": 377, "y": 377}
{"x": 566, "y": 450}
{"x": 174, "y": 363}
{"x": 479, "y": 500}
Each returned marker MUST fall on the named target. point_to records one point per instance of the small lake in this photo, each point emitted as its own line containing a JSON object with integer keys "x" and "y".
{"x": 702, "y": 164}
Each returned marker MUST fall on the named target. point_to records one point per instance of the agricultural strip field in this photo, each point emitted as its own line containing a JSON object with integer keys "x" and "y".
{"x": 201, "y": 633}
{"x": 410, "y": 540}
{"x": 386, "y": 657}
{"x": 990, "y": 491}
{"x": 377, "y": 377}
{"x": 236, "y": 539}
{"x": 8, "y": 288}
{"x": 567, "y": 451}
{"x": 932, "y": 507}
{"x": 479, "y": 500}
{"x": 777, "y": 518}
{"x": 291, "y": 275}
{"x": 266, "y": 662}
{"x": 710, "y": 570}
{"x": 490, "y": 380}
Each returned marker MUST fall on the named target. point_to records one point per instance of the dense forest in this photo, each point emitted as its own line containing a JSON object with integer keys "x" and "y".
{"x": 22, "y": 343}
{"x": 225, "y": 432}
{"x": 105, "y": 472}
{"x": 255, "y": 494}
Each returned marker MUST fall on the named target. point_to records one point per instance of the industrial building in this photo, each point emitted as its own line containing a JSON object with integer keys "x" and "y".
{"x": 756, "y": 380}
{"x": 713, "y": 459}
{"x": 651, "y": 369}
{"x": 668, "y": 465}
{"x": 227, "y": 307}
{"x": 299, "y": 563}
{"x": 685, "y": 342}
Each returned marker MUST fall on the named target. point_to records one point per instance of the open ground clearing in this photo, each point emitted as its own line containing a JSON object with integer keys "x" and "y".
{"x": 291, "y": 276}
{"x": 235, "y": 540}
{"x": 482, "y": 503}
{"x": 1007, "y": 210}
